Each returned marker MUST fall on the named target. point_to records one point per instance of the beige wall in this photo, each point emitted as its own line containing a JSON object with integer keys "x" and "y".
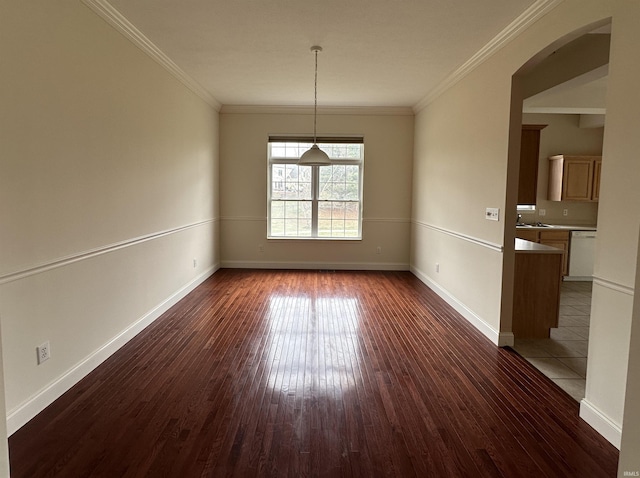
{"x": 460, "y": 168}
{"x": 388, "y": 142}
{"x": 609, "y": 365}
{"x": 108, "y": 192}
{"x": 630, "y": 444}
{"x": 563, "y": 135}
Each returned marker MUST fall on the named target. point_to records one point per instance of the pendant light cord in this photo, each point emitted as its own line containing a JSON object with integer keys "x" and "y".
{"x": 315, "y": 99}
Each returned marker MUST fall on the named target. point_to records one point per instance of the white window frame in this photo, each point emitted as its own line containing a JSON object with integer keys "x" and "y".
{"x": 315, "y": 182}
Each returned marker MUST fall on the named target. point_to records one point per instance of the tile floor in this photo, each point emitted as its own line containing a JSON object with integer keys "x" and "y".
{"x": 563, "y": 356}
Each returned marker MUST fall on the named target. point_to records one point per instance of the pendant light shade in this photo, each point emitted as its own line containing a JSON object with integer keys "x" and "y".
{"x": 315, "y": 156}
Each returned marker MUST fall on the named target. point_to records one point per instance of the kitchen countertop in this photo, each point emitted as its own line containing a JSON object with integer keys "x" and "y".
{"x": 528, "y": 247}
{"x": 557, "y": 227}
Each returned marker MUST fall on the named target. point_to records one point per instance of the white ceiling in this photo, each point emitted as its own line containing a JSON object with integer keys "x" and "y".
{"x": 376, "y": 52}
{"x": 585, "y": 94}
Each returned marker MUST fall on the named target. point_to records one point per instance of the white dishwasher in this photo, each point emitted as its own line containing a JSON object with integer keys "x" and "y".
{"x": 582, "y": 250}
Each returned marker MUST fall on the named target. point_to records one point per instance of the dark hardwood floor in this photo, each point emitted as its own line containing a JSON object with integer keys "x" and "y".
{"x": 285, "y": 373}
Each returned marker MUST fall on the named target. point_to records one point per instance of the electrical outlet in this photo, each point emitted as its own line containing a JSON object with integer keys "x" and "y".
{"x": 565, "y": 212}
{"x": 44, "y": 352}
{"x": 542, "y": 212}
{"x": 437, "y": 267}
{"x": 195, "y": 263}
{"x": 379, "y": 250}
{"x": 260, "y": 248}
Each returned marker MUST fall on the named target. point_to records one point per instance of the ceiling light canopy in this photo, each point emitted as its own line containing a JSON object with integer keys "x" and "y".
{"x": 315, "y": 156}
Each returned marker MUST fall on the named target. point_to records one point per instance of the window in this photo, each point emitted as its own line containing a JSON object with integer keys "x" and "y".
{"x": 315, "y": 202}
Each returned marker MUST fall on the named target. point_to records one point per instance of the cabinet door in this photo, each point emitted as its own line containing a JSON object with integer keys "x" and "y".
{"x": 565, "y": 257}
{"x": 529, "y": 158}
{"x": 559, "y": 240}
{"x": 577, "y": 182}
{"x": 527, "y": 234}
{"x": 597, "y": 166}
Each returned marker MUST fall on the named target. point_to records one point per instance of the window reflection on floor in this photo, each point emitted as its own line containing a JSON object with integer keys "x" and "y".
{"x": 312, "y": 344}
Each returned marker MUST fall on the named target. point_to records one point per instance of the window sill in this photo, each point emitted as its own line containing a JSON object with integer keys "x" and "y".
{"x": 331, "y": 239}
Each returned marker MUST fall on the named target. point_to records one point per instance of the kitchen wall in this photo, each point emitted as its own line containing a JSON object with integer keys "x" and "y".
{"x": 388, "y": 148}
{"x": 563, "y": 135}
{"x": 108, "y": 192}
{"x": 461, "y": 167}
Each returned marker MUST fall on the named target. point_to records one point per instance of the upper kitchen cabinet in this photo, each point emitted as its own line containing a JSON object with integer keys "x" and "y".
{"x": 529, "y": 157}
{"x": 574, "y": 178}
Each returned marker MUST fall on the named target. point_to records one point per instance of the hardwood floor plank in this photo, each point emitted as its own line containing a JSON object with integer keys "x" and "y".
{"x": 312, "y": 373}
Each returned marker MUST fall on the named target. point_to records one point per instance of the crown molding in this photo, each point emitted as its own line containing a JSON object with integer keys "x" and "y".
{"x": 113, "y": 17}
{"x": 515, "y": 28}
{"x": 322, "y": 110}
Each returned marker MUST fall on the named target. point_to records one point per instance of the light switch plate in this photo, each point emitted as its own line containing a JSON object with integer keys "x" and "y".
{"x": 492, "y": 213}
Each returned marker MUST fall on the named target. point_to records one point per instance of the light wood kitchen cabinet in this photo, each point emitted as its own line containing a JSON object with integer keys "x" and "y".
{"x": 574, "y": 178}
{"x": 597, "y": 167}
{"x": 557, "y": 239}
{"x": 529, "y": 158}
{"x": 528, "y": 235}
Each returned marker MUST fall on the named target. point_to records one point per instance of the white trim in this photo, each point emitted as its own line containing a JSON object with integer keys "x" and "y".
{"x": 515, "y": 28}
{"x": 65, "y": 261}
{"x": 300, "y": 265}
{"x": 114, "y": 18}
{"x": 565, "y": 110}
{"x": 601, "y": 423}
{"x": 393, "y": 220}
{"x": 506, "y": 339}
{"x": 322, "y": 110}
{"x": 475, "y": 240}
{"x": 616, "y": 286}
{"x": 24, "y": 412}
{"x": 492, "y": 334}
{"x": 244, "y": 218}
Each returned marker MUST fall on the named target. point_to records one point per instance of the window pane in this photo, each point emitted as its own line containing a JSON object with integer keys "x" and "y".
{"x": 290, "y": 209}
{"x": 352, "y": 183}
{"x": 277, "y": 209}
{"x": 290, "y": 181}
{"x": 324, "y": 210}
{"x": 291, "y": 218}
{"x": 292, "y": 150}
{"x": 352, "y": 211}
{"x": 351, "y": 228}
{"x": 277, "y": 226}
{"x": 337, "y": 211}
{"x": 337, "y": 183}
{"x": 342, "y": 151}
{"x": 324, "y": 227}
{"x": 337, "y": 228}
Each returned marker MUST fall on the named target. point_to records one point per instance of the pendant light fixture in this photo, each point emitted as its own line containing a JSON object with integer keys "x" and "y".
{"x": 315, "y": 156}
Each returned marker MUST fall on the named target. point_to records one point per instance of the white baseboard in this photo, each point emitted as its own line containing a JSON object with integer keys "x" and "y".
{"x": 24, "y": 412}
{"x": 338, "y": 266}
{"x": 500, "y": 339}
{"x": 601, "y": 423}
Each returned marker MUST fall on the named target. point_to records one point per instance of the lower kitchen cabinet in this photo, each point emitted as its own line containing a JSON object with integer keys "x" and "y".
{"x": 557, "y": 239}
{"x": 536, "y": 294}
